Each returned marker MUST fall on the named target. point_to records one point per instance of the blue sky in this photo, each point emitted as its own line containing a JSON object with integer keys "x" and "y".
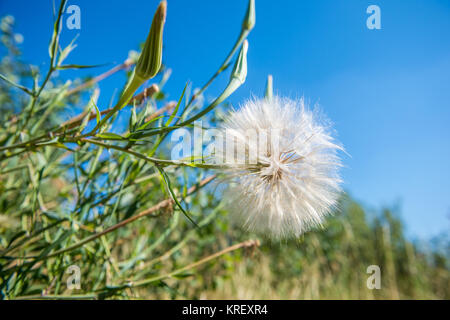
{"x": 387, "y": 91}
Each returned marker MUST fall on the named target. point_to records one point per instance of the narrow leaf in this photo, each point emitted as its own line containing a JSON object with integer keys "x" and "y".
{"x": 173, "y": 195}
{"x": 24, "y": 89}
{"x": 109, "y": 136}
{"x": 176, "y": 108}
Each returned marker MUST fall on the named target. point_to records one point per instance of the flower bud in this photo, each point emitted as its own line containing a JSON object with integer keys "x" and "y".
{"x": 150, "y": 59}
{"x": 236, "y": 80}
{"x": 240, "y": 67}
{"x": 250, "y": 16}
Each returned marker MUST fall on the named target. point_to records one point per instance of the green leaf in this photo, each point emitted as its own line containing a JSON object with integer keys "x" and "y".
{"x": 64, "y": 53}
{"x": 182, "y": 275}
{"x": 89, "y": 107}
{"x": 52, "y": 48}
{"x": 24, "y": 89}
{"x": 78, "y": 66}
{"x": 142, "y": 127}
{"x": 97, "y": 112}
{"x": 172, "y": 193}
{"x": 133, "y": 118}
{"x": 53, "y": 216}
{"x": 63, "y": 146}
{"x": 109, "y": 136}
{"x": 176, "y": 108}
{"x": 16, "y": 236}
{"x": 47, "y": 143}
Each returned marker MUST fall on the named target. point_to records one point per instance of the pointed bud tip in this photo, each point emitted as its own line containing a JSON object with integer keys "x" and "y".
{"x": 250, "y": 16}
{"x": 240, "y": 67}
{"x": 161, "y": 12}
{"x": 150, "y": 59}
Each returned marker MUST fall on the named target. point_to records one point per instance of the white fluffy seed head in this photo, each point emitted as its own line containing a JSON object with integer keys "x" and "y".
{"x": 282, "y": 165}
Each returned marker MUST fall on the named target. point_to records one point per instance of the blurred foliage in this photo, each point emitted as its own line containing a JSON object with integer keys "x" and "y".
{"x": 332, "y": 263}
{"x": 67, "y": 202}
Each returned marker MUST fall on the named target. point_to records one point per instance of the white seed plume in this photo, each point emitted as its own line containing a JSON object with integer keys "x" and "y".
{"x": 283, "y": 167}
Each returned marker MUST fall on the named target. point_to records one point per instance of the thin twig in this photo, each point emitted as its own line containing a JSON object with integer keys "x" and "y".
{"x": 127, "y": 63}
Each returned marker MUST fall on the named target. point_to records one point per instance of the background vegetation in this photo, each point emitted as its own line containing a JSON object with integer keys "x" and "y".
{"x": 123, "y": 219}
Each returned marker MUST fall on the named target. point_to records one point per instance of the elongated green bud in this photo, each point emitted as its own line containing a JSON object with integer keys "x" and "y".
{"x": 148, "y": 64}
{"x": 150, "y": 59}
{"x": 240, "y": 67}
{"x": 236, "y": 80}
{"x": 250, "y": 16}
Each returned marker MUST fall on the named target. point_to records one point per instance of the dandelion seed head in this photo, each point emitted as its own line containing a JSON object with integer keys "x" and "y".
{"x": 282, "y": 165}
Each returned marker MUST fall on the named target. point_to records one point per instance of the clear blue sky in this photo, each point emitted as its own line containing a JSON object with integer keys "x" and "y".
{"x": 387, "y": 91}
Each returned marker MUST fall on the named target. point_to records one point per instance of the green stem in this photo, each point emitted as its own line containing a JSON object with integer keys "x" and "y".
{"x": 53, "y": 53}
{"x": 121, "y": 224}
{"x": 131, "y": 88}
{"x": 231, "y": 87}
{"x": 151, "y": 159}
{"x": 243, "y": 35}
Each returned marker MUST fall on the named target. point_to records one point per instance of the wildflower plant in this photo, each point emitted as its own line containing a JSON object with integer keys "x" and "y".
{"x": 78, "y": 194}
{"x": 95, "y": 203}
{"x": 72, "y": 189}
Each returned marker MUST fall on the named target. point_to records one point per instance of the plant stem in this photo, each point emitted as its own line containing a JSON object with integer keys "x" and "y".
{"x": 127, "y": 63}
{"x": 144, "y": 213}
{"x": 131, "y": 88}
{"x": 150, "y": 159}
